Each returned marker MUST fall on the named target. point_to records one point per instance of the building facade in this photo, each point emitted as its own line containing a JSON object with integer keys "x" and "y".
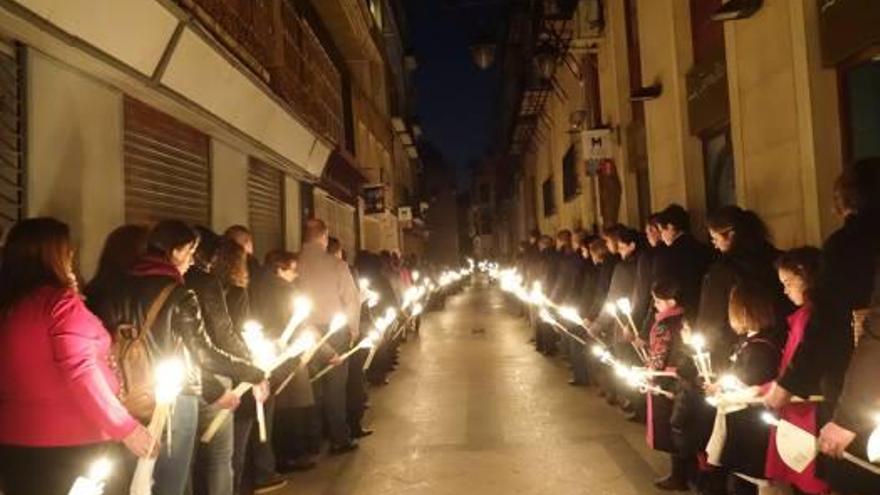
{"x": 217, "y": 112}
{"x": 697, "y": 102}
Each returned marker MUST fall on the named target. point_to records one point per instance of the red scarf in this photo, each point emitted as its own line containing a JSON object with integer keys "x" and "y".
{"x": 155, "y": 266}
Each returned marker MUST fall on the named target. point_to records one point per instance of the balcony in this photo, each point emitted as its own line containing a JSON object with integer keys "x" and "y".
{"x": 275, "y": 43}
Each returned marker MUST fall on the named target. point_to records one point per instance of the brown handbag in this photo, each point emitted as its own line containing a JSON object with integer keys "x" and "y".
{"x": 133, "y": 357}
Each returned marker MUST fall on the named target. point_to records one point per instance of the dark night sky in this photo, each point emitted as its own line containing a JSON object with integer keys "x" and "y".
{"x": 455, "y": 98}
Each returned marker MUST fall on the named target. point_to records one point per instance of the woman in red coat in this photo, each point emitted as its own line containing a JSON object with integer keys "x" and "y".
{"x": 58, "y": 405}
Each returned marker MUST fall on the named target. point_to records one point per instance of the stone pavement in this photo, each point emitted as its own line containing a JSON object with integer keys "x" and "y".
{"x": 483, "y": 413}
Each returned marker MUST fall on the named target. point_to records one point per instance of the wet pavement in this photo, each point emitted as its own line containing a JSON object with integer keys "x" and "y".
{"x": 472, "y": 408}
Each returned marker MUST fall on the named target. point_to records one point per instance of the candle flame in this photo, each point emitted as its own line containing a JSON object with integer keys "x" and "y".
{"x": 169, "y": 375}
{"x": 624, "y": 305}
{"x": 698, "y": 342}
{"x": 769, "y": 418}
{"x": 337, "y": 323}
{"x": 100, "y": 470}
{"x": 571, "y": 315}
{"x": 874, "y": 445}
{"x": 611, "y": 309}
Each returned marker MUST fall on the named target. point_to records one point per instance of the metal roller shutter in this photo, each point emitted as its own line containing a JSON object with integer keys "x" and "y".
{"x": 167, "y": 168}
{"x": 12, "y": 128}
{"x": 340, "y": 219}
{"x": 265, "y": 206}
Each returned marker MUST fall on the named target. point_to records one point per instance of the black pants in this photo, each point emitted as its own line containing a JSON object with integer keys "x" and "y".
{"x": 356, "y": 390}
{"x": 52, "y": 470}
{"x": 297, "y": 433}
{"x": 253, "y": 462}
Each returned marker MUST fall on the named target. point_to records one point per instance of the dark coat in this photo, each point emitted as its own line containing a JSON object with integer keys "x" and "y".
{"x": 621, "y": 285}
{"x": 845, "y": 283}
{"x": 604, "y": 274}
{"x": 745, "y": 448}
{"x": 178, "y": 327}
{"x": 729, "y": 270}
{"x": 642, "y": 300}
{"x": 218, "y": 325}
{"x": 569, "y": 278}
{"x": 685, "y": 261}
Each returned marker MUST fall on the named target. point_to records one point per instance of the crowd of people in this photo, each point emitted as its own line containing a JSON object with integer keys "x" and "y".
{"x": 797, "y": 330}
{"x": 71, "y": 390}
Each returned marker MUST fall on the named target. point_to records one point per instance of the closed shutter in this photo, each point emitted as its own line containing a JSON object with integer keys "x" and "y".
{"x": 265, "y": 206}
{"x": 11, "y": 139}
{"x": 167, "y": 168}
{"x": 340, "y": 219}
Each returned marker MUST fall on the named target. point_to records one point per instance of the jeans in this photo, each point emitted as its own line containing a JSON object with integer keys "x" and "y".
{"x": 253, "y": 462}
{"x": 172, "y": 469}
{"x": 213, "y": 463}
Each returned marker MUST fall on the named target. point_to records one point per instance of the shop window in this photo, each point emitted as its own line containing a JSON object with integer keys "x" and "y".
{"x": 549, "y": 197}
{"x": 719, "y": 171}
{"x": 570, "y": 186}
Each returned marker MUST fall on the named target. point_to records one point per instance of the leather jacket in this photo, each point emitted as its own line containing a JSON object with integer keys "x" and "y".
{"x": 178, "y": 329}
{"x": 218, "y": 326}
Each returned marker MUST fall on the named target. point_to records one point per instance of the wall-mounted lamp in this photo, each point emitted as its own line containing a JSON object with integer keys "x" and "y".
{"x": 737, "y": 9}
{"x": 545, "y": 62}
{"x": 483, "y": 54}
{"x": 646, "y": 93}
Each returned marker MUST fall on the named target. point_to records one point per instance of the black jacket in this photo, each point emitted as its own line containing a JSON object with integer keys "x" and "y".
{"x": 569, "y": 277}
{"x": 604, "y": 273}
{"x": 642, "y": 300}
{"x": 685, "y": 262}
{"x": 845, "y": 282}
{"x": 178, "y": 329}
{"x": 729, "y": 270}
{"x": 218, "y": 326}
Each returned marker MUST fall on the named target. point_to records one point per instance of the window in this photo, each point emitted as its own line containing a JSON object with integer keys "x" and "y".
{"x": 718, "y": 163}
{"x": 570, "y": 186}
{"x": 549, "y": 197}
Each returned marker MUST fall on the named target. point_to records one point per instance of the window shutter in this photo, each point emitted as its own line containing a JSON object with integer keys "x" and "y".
{"x": 12, "y": 132}
{"x": 265, "y": 206}
{"x": 167, "y": 168}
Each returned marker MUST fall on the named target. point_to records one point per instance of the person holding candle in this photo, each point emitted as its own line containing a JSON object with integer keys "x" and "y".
{"x": 178, "y": 329}
{"x": 798, "y": 269}
{"x": 214, "y": 472}
{"x": 665, "y": 352}
{"x": 755, "y": 363}
{"x": 327, "y": 281}
{"x": 745, "y": 255}
{"x": 641, "y": 297}
{"x": 604, "y": 262}
{"x": 851, "y": 268}
{"x": 58, "y": 391}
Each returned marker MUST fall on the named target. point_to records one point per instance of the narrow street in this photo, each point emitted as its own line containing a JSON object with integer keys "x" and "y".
{"x": 473, "y": 409}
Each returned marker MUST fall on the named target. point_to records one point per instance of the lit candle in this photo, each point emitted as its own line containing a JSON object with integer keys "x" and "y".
{"x": 302, "y": 308}
{"x": 93, "y": 482}
{"x": 168, "y": 375}
{"x": 366, "y": 343}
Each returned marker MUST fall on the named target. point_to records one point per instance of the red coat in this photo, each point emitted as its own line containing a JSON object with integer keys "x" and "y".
{"x": 56, "y": 384}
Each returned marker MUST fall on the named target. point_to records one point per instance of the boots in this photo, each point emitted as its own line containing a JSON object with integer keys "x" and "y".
{"x": 678, "y": 478}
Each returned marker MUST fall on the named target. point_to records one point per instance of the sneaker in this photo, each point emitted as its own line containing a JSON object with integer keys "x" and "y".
{"x": 276, "y": 482}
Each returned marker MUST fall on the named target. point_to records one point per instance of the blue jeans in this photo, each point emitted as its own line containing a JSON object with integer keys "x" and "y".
{"x": 172, "y": 469}
{"x": 213, "y": 463}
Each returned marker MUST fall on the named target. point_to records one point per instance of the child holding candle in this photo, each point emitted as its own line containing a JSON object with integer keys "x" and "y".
{"x": 754, "y": 363}
{"x": 797, "y": 270}
{"x": 664, "y": 352}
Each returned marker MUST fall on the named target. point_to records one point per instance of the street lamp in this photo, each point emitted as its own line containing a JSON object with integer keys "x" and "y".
{"x": 483, "y": 54}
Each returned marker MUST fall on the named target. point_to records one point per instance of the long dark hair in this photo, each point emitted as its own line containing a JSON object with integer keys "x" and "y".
{"x": 169, "y": 235}
{"x": 804, "y": 262}
{"x": 750, "y": 232}
{"x": 121, "y": 249}
{"x": 231, "y": 264}
{"x": 37, "y": 253}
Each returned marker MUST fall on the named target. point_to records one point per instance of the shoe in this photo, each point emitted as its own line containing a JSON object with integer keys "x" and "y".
{"x": 671, "y": 484}
{"x": 298, "y": 465}
{"x": 276, "y": 482}
{"x": 343, "y": 448}
{"x": 361, "y": 433}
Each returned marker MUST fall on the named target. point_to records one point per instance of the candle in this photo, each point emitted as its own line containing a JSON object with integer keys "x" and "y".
{"x": 264, "y": 355}
{"x": 168, "y": 375}
{"x": 366, "y": 343}
{"x": 874, "y": 442}
{"x": 571, "y": 315}
{"x": 93, "y": 482}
